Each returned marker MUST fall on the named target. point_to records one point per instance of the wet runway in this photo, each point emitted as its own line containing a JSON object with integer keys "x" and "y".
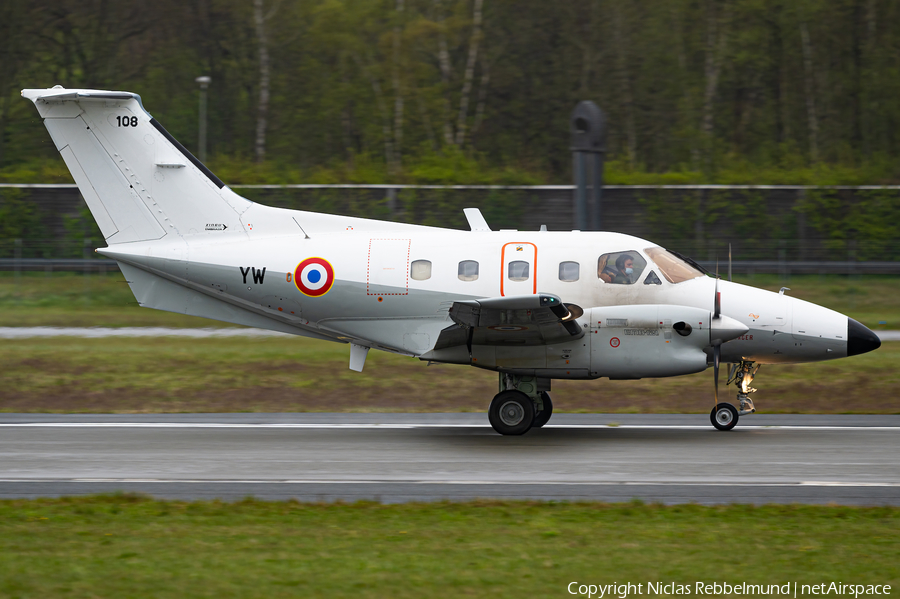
{"x": 429, "y": 457}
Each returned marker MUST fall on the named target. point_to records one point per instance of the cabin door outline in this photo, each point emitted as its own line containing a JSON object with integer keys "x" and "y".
{"x": 511, "y": 252}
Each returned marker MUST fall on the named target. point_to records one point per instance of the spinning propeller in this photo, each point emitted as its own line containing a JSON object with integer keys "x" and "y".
{"x": 716, "y": 343}
{"x": 722, "y": 328}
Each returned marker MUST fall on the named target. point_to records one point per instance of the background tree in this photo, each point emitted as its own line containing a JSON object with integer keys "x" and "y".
{"x": 377, "y": 87}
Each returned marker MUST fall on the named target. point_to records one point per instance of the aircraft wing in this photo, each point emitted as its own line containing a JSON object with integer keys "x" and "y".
{"x": 516, "y": 320}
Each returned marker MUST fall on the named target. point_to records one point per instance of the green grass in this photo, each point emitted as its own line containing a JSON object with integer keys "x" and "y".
{"x": 77, "y": 300}
{"x": 69, "y": 299}
{"x": 299, "y": 374}
{"x": 870, "y": 299}
{"x": 295, "y": 374}
{"x": 126, "y": 546}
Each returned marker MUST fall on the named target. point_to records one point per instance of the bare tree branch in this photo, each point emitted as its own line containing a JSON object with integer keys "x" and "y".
{"x": 469, "y": 74}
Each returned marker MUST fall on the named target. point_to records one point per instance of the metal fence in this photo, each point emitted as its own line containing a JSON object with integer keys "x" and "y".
{"x": 769, "y": 228}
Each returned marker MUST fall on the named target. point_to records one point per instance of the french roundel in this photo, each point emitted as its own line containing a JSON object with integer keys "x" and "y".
{"x": 314, "y": 277}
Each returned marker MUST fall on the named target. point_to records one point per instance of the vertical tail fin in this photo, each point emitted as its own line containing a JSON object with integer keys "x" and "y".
{"x": 138, "y": 181}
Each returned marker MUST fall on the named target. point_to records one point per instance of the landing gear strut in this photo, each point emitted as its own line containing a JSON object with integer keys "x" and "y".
{"x": 725, "y": 416}
{"x": 742, "y": 375}
{"x": 523, "y": 403}
{"x": 541, "y": 417}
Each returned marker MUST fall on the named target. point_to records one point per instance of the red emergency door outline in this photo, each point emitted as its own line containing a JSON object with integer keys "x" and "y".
{"x": 503, "y": 266}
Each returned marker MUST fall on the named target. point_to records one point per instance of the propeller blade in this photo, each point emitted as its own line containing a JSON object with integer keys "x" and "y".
{"x": 718, "y": 304}
{"x": 729, "y": 263}
{"x": 717, "y": 355}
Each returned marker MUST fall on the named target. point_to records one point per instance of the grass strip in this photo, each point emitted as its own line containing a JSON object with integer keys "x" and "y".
{"x": 170, "y": 374}
{"x": 132, "y": 546}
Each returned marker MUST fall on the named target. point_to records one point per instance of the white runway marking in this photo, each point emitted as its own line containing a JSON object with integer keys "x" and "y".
{"x": 447, "y": 482}
{"x": 393, "y": 426}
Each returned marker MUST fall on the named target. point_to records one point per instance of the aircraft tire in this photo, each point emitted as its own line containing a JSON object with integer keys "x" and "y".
{"x": 541, "y": 418}
{"x": 724, "y": 416}
{"x": 511, "y": 413}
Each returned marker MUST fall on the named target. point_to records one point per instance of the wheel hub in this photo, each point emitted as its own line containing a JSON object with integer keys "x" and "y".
{"x": 724, "y": 417}
{"x": 512, "y": 413}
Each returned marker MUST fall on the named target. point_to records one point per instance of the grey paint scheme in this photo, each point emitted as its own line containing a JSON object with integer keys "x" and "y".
{"x": 155, "y": 286}
{"x": 414, "y": 324}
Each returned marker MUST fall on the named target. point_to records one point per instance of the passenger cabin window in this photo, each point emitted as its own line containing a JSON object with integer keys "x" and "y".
{"x": 674, "y": 268}
{"x": 569, "y": 271}
{"x": 518, "y": 271}
{"x": 420, "y": 270}
{"x": 620, "y": 268}
{"x": 468, "y": 270}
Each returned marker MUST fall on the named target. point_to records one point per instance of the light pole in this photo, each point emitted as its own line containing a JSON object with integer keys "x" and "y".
{"x": 588, "y": 129}
{"x": 204, "y": 82}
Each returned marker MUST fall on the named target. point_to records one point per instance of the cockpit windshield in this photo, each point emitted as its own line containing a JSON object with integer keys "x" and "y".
{"x": 673, "y": 267}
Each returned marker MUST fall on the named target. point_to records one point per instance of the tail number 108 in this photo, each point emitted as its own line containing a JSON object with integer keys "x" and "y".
{"x": 127, "y": 121}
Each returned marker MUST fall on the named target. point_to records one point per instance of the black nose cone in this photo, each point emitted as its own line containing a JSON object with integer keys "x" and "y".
{"x": 860, "y": 339}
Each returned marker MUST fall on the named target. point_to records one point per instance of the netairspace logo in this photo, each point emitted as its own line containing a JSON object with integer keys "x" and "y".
{"x": 791, "y": 589}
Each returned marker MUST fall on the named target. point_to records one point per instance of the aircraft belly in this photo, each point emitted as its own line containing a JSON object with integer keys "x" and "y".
{"x": 412, "y": 336}
{"x": 560, "y": 361}
{"x": 156, "y": 292}
{"x": 766, "y": 346}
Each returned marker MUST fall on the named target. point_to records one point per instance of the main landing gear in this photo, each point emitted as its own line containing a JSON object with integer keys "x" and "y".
{"x": 725, "y": 416}
{"x": 522, "y": 404}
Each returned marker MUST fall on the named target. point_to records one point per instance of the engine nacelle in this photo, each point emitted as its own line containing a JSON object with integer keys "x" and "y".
{"x": 630, "y": 342}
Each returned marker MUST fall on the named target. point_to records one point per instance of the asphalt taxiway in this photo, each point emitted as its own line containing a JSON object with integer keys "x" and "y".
{"x": 429, "y": 457}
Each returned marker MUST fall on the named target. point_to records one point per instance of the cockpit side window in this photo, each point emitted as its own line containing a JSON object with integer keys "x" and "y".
{"x": 620, "y": 268}
{"x": 673, "y": 268}
{"x": 652, "y": 279}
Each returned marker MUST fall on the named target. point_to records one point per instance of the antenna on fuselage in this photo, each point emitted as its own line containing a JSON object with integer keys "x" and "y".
{"x": 476, "y": 219}
{"x": 301, "y": 228}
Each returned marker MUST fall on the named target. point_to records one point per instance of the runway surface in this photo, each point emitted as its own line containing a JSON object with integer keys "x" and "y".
{"x": 428, "y": 457}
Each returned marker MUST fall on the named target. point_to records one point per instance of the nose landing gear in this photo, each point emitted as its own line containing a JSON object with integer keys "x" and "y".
{"x": 742, "y": 375}
{"x": 725, "y": 416}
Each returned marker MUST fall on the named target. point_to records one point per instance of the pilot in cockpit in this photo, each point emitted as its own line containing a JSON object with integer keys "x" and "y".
{"x": 621, "y": 273}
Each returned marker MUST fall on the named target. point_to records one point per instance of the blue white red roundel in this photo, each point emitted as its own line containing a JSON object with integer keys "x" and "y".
{"x": 314, "y": 276}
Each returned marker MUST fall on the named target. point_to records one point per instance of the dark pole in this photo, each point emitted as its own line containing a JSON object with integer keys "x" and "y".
{"x": 597, "y": 191}
{"x": 201, "y": 141}
{"x": 581, "y": 212}
{"x": 588, "y": 129}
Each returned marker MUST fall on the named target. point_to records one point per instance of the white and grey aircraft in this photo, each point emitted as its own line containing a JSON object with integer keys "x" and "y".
{"x": 530, "y": 305}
